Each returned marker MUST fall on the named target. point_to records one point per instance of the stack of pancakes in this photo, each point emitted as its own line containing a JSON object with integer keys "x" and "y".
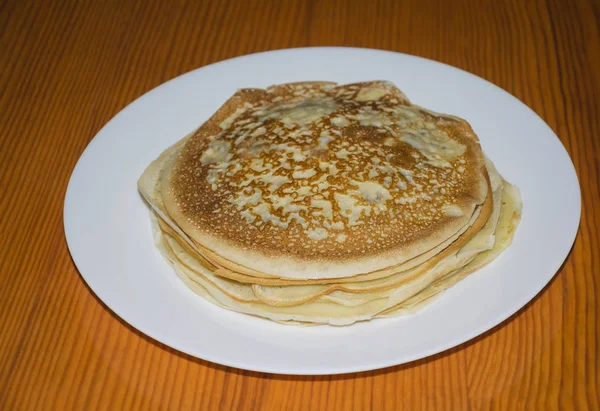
{"x": 318, "y": 203}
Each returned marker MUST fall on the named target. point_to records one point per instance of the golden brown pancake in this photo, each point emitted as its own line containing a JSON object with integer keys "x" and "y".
{"x": 314, "y": 180}
{"x": 317, "y": 203}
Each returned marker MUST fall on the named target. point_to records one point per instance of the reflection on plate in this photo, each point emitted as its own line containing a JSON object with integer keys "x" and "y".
{"x": 108, "y": 229}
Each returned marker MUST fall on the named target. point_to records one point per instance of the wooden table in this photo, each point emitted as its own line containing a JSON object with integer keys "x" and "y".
{"x": 67, "y": 67}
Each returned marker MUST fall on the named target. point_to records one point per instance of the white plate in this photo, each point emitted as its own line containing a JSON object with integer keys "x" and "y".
{"x": 107, "y": 223}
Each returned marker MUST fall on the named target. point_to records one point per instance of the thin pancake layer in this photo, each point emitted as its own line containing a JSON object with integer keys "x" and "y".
{"x": 150, "y": 187}
{"x": 314, "y": 181}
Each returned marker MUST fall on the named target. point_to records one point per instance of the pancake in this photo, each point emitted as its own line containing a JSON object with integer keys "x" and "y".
{"x": 313, "y": 180}
{"x": 312, "y": 203}
{"x": 151, "y": 190}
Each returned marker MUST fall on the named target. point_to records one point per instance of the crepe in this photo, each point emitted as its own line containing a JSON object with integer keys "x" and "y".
{"x": 313, "y": 203}
{"x": 319, "y": 181}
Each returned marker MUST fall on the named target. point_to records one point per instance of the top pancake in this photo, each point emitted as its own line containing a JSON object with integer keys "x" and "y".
{"x": 314, "y": 180}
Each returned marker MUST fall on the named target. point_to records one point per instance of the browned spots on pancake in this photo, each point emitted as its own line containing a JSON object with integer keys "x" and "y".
{"x": 314, "y": 169}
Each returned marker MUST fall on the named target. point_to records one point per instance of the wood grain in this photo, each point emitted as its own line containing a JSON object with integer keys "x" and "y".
{"x": 67, "y": 67}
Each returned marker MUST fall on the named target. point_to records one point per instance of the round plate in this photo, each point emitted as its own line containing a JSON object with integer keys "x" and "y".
{"x": 107, "y": 223}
